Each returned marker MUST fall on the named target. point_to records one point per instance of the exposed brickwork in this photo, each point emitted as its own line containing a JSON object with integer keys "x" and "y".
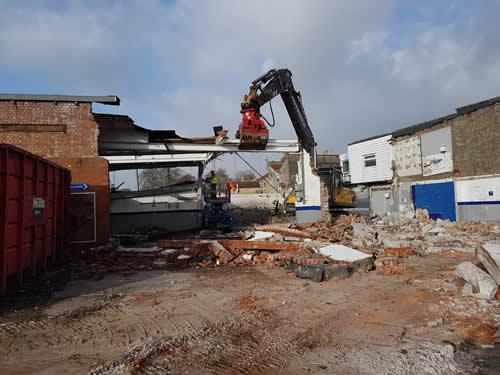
{"x": 75, "y": 148}
{"x": 325, "y": 207}
{"x": 475, "y": 145}
{"x": 79, "y": 140}
{"x": 476, "y": 142}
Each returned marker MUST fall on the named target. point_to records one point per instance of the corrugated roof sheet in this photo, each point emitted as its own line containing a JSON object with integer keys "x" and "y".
{"x": 110, "y": 99}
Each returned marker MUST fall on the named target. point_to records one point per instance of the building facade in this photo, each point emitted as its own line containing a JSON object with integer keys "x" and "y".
{"x": 63, "y": 129}
{"x": 449, "y": 166}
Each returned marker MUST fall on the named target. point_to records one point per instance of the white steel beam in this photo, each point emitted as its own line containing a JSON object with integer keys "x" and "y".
{"x": 172, "y": 148}
{"x": 123, "y": 162}
{"x": 122, "y": 159}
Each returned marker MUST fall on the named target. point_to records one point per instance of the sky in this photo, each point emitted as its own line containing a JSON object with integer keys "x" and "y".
{"x": 363, "y": 67}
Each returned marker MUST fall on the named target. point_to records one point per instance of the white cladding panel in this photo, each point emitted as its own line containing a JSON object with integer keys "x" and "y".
{"x": 382, "y": 171}
{"x": 407, "y": 157}
{"x": 478, "y": 190}
{"x": 310, "y": 183}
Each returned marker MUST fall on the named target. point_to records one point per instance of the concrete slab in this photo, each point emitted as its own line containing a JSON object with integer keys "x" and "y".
{"x": 335, "y": 271}
{"x": 344, "y": 253}
{"x": 489, "y": 255}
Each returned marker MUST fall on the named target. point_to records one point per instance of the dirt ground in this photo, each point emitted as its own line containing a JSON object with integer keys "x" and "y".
{"x": 248, "y": 320}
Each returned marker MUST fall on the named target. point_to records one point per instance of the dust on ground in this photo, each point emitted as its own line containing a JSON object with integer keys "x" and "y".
{"x": 250, "y": 320}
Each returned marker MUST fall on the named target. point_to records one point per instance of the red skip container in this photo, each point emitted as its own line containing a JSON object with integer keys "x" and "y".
{"x": 34, "y": 215}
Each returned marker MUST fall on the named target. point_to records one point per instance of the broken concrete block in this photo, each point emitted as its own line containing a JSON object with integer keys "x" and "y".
{"x": 364, "y": 265}
{"x": 355, "y": 259}
{"x": 395, "y": 243}
{"x": 483, "y": 285}
{"x": 335, "y": 271}
{"x": 489, "y": 255}
{"x": 313, "y": 272}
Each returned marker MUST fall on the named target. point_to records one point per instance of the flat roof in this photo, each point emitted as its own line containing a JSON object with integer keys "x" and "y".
{"x": 109, "y": 99}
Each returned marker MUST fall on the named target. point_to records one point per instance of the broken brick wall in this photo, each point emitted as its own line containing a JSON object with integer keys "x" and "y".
{"x": 325, "y": 202}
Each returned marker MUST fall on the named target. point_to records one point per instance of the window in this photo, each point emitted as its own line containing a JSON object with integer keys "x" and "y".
{"x": 345, "y": 166}
{"x": 370, "y": 160}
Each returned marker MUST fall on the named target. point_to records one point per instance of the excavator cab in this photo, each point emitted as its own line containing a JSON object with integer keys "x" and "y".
{"x": 340, "y": 196}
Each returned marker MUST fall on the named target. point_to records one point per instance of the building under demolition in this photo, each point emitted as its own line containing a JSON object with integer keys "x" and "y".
{"x": 449, "y": 166}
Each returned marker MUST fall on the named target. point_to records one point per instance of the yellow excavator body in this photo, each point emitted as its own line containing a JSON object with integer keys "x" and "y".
{"x": 345, "y": 198}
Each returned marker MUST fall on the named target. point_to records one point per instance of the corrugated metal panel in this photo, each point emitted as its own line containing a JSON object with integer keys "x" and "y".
{"x": 34, "y": 196}
{"x": 382, "y": 149}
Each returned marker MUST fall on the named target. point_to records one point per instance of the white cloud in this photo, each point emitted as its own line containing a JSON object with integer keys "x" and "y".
{"x": 355, "y": 81}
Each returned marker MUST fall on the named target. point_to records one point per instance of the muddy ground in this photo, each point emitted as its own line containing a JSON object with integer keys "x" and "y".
{"x": 248, "y": 320}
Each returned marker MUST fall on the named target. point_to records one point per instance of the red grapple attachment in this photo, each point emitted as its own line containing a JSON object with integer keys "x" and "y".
{"x": 252, "y": 131}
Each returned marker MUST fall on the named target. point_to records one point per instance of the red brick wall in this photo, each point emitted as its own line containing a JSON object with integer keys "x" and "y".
{"x": 79, "y": 140}
{"x": 75, "y": 149}
{"x": 93, "y": 171}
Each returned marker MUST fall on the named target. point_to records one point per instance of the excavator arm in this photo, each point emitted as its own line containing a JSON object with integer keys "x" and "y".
{"x": 252, "y": 131}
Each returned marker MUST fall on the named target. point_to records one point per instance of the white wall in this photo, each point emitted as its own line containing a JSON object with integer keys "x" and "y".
{"x": 407, "y": 157}
{"x": 436, "y": 152}
{"x": 346, "y": 174}
{"x": 478, "y": 190}
{"x": 383, "y": 154}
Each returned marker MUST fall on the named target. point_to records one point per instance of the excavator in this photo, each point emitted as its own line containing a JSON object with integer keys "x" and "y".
{"x": 254, "y": 135}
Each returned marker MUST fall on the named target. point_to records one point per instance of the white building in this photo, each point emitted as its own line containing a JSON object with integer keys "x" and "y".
{"x": 370, "y": 160}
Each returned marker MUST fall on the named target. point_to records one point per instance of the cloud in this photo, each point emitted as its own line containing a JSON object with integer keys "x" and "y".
{"x": 186, "y": 64}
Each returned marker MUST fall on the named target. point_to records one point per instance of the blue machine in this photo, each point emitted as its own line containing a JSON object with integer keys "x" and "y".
{"x": 215, "y": 210}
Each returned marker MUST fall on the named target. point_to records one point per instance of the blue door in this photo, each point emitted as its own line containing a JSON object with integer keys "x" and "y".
{"x": 438, "y": 199}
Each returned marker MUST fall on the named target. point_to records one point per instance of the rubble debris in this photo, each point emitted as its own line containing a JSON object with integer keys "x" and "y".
{"x": 422, "y": 214}
{"x": 480, "y": 284}
{"x": 357, "y": 260}
{"x": 481, "y": 334}
{"x": 261, "y": 235}
{"x": 223, "y": 256}
{"x": 355, "y": 241}
{"x": 284, "y": 230}
{"x": 489, "y": 255}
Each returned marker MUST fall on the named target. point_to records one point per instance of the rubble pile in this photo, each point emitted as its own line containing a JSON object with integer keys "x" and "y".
{"x": 313, "y": 246}
{"x": 269, "y": 252}
{"x": 100, "y": 261}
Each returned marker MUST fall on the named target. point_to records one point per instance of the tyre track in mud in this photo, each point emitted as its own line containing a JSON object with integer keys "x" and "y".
{"x": 262, "y": 343}
{"x": 97, "y": 328}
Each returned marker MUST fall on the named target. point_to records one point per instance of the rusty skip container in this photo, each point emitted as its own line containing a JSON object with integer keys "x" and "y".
{"x": 34, "y": 215}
